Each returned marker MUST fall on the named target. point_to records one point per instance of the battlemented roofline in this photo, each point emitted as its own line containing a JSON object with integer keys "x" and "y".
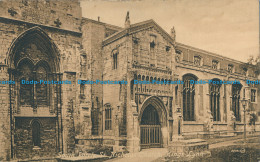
{"x": 208, "y": 53}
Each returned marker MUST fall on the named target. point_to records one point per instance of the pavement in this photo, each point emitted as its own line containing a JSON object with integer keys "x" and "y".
{"x": 146, "y": 155}
{"x": 153, "y": 154}
{"x": 228, "y": 143}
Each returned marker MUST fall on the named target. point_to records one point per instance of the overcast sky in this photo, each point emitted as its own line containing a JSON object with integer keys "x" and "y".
{"x": 226, "y": 27}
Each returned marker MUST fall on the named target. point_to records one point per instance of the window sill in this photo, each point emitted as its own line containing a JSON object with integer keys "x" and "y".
{"x": 36, "y": 148}
{"x": 219, "y": 123}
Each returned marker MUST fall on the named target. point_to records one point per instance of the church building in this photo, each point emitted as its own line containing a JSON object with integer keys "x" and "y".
{"x": 49, "y": 54}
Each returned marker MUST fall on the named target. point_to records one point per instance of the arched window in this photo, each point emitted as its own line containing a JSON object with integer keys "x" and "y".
{"x": 33, "y": 94}
{"x": 108, "y": 117}
{"x": 214, "y": 92}
{"x": 236, "y": 88}
{"x": 188, "y": 97}
{"x": 115, "y": 61}
{"x": 36, "y": 136}
{"x": 26, "y": 90}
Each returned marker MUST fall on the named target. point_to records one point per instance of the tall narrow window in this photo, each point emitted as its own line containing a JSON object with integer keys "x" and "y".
{"x": 236, "y": 100}
{"x": 26, "y": 90}
{"x": 82, "y": 90}
{"x": 253, "y": 95}
{"x": 108, "y": 117}
{"x": 115, "y": 63}
{"x": 41, "y": 89}
{"x": 36, "y": 134}
{"x": 214, "y": 100}
{"x": 136, "y": 50}
{"x": 188, "y": 98}
{"x": 152, "y": 50}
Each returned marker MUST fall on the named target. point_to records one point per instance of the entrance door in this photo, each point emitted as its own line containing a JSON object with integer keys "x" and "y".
{"x": 150, "y": 128}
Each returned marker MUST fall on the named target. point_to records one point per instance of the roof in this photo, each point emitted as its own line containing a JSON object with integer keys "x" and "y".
{"x": 138, "y": 27}
{"x": 113, "y": 27}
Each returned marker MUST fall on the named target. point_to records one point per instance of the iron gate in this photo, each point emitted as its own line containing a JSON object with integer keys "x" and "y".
{"x": 150, "y": 136}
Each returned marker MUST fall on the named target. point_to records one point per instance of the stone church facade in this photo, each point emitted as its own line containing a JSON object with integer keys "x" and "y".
{"x": 51, "y": 41}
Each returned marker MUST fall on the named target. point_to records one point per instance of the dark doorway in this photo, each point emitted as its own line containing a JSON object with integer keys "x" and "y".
{"x": 150, "y": 128}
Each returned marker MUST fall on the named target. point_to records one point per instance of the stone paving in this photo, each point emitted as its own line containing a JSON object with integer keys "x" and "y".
{"x": 145, "y": 155}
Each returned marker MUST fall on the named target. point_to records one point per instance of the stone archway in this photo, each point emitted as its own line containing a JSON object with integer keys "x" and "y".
{"x": 33, "y": 56}
{"x": 153, "y": 123}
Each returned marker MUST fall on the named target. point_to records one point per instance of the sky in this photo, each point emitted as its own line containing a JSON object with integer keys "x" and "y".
{"x": 226, "y": 27}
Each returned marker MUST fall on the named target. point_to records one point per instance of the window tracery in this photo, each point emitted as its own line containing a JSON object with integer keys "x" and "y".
{"x": 188, "y": 98}
{"x": 236, "y": 88}
{"x": 215, "y": 100}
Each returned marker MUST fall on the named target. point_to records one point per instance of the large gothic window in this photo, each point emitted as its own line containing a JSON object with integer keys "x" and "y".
{"x": 214, "y": 100}
{"x": 188, "y": 98}
{"x": 236, "y": 88}
{"x": 33, "y": 94}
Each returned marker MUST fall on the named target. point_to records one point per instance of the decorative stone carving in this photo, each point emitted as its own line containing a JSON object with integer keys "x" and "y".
{"x": 208, "y": 124}
{"x": 127, "y": 20}
{"x": 173, "y": 34}
{"x": 33, "y": 52}
{"x": 233, "y": 121}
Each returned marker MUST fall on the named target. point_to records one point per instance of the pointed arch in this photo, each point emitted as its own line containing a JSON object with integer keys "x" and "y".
{"x": 36, "y": 133}
{"x": 188, "y": 97}
{"x": 37, "y": 36}
{"x": 159, "y": 106}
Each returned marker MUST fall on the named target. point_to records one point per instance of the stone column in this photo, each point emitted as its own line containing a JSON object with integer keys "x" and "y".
{"x": 116, "y": 147}
{"x": 6, "y": 141}
{"x": 231, "y": 119}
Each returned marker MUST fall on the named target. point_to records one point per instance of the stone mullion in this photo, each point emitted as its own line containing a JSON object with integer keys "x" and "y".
{"x": 17, "y": 94}
{"x": 224, "y": 103}
{"x": 50, "y": 93}
{"x": 34, "y": 94}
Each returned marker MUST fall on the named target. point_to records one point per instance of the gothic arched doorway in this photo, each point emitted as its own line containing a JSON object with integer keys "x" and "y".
{"x": 150, "y": 128}
{"x": 153, "y": 123}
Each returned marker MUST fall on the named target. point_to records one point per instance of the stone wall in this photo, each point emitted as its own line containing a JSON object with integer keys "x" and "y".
{"x": 115, "y": 94}
{"x": 61, "y": 14}
{"x": 19, "y": 17}
{"x": 24, "y": 148}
